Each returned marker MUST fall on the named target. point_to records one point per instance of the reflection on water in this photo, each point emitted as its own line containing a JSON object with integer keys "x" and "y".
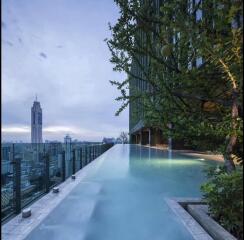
{"x": 134, "y": 181}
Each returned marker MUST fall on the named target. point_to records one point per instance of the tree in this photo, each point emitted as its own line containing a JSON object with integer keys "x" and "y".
{"x": 124, "y": 137}
{"x": 203, "y": 101}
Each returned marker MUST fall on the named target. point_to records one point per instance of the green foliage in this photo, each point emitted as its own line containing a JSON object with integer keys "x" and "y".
{"x": 171, "y": 41}
{"x": 224, "y": 195}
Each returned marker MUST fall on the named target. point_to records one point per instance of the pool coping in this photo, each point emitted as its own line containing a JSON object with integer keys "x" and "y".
{"x": 193, "y": 227}
{"x": 19, "y": 228}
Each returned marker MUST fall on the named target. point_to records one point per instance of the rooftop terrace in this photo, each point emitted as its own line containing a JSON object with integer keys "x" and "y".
{"x": 122, "y": 194}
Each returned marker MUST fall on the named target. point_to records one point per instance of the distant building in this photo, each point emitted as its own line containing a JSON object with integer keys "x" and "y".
{"x": 68, "y": 159}
{"x": 118, "y": 141}
{"x": 36, "y": 122}
{"x": 5, "y": 152}
{"x": 6, "y": 167}
{"x": 52, "y": 141}
{"x": 67, "y": 139}
{"x": 109, "y": 140}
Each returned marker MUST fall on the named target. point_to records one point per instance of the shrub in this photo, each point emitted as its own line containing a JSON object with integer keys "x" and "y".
{"x": 224, "y": 195}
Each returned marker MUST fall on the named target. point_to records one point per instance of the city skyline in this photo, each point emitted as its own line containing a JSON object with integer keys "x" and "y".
{"x": 36, "y": 122}
{"x": 62, "y": 57}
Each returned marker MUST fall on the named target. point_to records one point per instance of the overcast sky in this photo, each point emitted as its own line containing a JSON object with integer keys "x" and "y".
{"x": 55, "y": 49}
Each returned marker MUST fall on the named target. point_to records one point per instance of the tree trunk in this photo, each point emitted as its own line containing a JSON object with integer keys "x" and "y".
{"x": 230, "y": 166}
{"x": 232, "y": 141}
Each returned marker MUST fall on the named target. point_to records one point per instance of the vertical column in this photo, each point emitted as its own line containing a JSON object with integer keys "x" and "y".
{"x": 91, "y": 153}
{"x": 73, "y": 162}
{"x": 95, "y": 151}
{"x": 170, "y": 137}
{"x": 47, "y": 181}
{"x": 87, "y": 154}
{"x": 99, "y": 149}
{"x": 149, "y": 137}
{"x": 63, "y": 166}
{"x": 81, "y": 165}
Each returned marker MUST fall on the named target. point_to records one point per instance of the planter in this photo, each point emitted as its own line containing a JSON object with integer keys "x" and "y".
{"x": 193, "y": 213}
{"x": 200, "y": 213}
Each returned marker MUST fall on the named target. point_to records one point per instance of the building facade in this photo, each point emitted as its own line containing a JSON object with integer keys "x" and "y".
{"x": 140, "y": 131}
{"x": 36, "y": 123}
{"x": 68, "y": 155}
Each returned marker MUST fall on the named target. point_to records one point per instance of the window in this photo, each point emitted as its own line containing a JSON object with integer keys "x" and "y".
{"x": 39, "y": 118}
{"x": 33, "y": 117}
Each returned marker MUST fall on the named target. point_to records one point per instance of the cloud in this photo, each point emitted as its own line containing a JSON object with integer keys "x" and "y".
{"x": 58, "y": 133}
{"x": 73, "y": 85}
{"x": 60, "y": 129}
{"x": 8, "y": 43}
{"x": 15, "y": 129}
{"x": 4, "y": 26}
{"x": 43, "y": 55}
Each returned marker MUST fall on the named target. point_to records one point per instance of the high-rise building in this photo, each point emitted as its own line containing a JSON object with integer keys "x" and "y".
{"x": 140, "y": 131}
{"x": 36, "y": 122}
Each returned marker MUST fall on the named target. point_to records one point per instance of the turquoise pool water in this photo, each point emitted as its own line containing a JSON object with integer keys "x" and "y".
{"x": 124, "y": 198}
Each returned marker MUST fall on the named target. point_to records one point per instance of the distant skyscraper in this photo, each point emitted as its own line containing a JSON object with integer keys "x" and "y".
{"x": 68, "y": 159}
{"x": 36, "y": 122}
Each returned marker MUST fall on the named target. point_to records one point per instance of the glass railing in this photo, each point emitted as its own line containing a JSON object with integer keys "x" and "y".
{"x": 29, "y": 171}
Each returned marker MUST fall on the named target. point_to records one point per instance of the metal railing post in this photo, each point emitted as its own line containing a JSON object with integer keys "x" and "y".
{"x": 87, "y": 159}
{"x": 63, "y": 166}
{"x": 93, "y": 152}
{"x": 85, "y": 153}
{"x": 88, "y": 154}
{"x": 81, "y": 165}
{"x": 17, "y": 182}
{"x": 91, "y": 148}
{"x": 92, "y": 156}
{"x": 73, "y": 162}
{"x": 47, "y": 177}
{"x": 102, "y": 148}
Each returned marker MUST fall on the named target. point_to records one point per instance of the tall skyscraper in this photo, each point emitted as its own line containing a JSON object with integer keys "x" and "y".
{"x": 36, "y": 122}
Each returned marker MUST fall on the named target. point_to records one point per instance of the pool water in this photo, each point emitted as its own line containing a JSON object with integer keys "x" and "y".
{"x": 124, "y": 199}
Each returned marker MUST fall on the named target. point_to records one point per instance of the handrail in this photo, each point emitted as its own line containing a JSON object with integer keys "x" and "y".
{"x": 30, "y": 170}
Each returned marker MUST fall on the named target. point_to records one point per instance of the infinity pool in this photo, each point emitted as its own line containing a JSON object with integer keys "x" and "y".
{"x": 124, "y": 199}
